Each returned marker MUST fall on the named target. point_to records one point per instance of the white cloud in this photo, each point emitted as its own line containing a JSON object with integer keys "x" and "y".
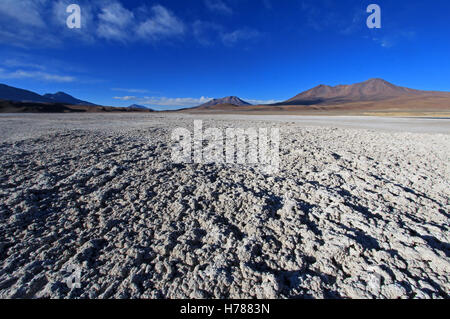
{"x": 162, "y": 23}
{"x": 37, "y": 67}
{"x": 325, "y": 16}
{"x": 180, "y": 101}
{"x": 114, "y": 22}
{"x": 232, "y": 38}
{"x": 258, "y": 102}
{"x": 386, "y": 43}
{"x": 21, "y": 74}
{"x": 116, "y": 14}
{"x": 126, "y": 98}
{"x": 42, "y": 23}
{"x": 26, "y": 12}
{"x": 23, "y": 23}
{"x": 390, "y": 40}
{"x": 206, "y": 33}
{"x": 130, "y": 90}
{"x": 165, "y": 101}
{"x": 15, "y": 63}
{"x": 218, "y": 6}
{"x": 89, "y": 21}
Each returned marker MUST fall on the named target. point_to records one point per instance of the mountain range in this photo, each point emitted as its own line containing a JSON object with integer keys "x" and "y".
{"x": 61, "y": 97}
{"x": 374, "y": 95}
{"x": 9, "y": 93}
{"x": 15, "y": 100}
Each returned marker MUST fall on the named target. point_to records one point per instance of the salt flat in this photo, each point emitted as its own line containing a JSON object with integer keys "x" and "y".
{"x": 39, "y": 123}
{"x": 359, "y": 208}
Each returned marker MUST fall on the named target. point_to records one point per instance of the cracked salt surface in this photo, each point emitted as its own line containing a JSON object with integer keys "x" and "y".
{"x": 353, "y": 212}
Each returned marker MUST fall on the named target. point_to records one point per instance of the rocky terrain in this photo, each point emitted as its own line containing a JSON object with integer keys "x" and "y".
{"x": 352, "y": 213}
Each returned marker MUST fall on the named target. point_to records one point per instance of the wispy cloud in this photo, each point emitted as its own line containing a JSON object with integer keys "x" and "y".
{"x": 22, "y": 74}
{"x": 389, "y": 40}
{"x": 258, "y": 102}
{"x": 25, "y": 12}
{"x": 218, "y": 6}
{"x": 324, "y": 16}
{"x": 114, "y": 22}
{"x": 207, "y": 33}
{"x": 22, "y": 23}
{"x": 16, "y": 63}
{"x": 328, "y": 16}
{"x": 148, "y": 24}
{"x": 130, "y": 90}
{"x": 162, "y": 23}
{"x": 42, "y": 23}
{"x": 180, "y": 101}
{"x": 231, "y": 38}
{"x": 165, "y": 101}
{"x": 126, "y": 98}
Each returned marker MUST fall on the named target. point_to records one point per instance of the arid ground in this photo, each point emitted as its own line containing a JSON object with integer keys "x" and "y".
{"x": 359, "y": 209}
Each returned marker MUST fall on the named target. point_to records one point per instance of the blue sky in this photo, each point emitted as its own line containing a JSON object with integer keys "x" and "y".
{"x": 168, "y": 54}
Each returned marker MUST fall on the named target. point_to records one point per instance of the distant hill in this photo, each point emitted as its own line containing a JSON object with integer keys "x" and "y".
{"x": 140, "y": 107}
{"x": 35, "y": 107}
{"x": 61, "y": 97}
{"x": 10, "y": 93}
{"x": 230, "y": 100}
{"x": 374, "y": 96}
{"x": 371, "y": 96}
{"x": 370, "y": 90}
{"x": 15, "y": 100}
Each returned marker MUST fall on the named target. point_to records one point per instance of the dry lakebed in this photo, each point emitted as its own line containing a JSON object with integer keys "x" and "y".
{"x": 358, "y": 209}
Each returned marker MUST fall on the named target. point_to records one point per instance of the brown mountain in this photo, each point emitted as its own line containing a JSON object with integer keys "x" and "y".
{"x": 140, "y": 107}
{"x": 35, "y": 107}
{"x": 15, "y": 100}
{"x": 10, "y": 93}
{"x": 371, "y": 90}
{"x": 61, "y": 97}
{"x": 375, "y": 96}
{"x": 229, "y": 100}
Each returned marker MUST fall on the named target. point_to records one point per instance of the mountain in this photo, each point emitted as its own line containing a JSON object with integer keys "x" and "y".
{"x": 61, "y": 97}
{"x": 35, "y": 107}
{"x": 231, "y": 100}
{"x": 10, "y": 93}
{"x": 137, "y": 106}
{"x": 370, "y": 90}
{"x": 374, "y": 96}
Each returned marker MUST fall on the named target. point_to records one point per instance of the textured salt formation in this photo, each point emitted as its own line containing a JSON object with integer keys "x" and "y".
{"x": 352, "y": 213}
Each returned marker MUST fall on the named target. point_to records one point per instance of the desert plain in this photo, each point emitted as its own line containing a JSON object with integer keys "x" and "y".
{"x": 359, "y": 208}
